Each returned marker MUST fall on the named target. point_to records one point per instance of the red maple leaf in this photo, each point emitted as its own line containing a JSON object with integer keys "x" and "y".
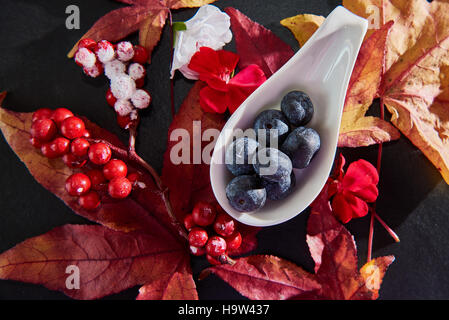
{"x": 336, "y": 276}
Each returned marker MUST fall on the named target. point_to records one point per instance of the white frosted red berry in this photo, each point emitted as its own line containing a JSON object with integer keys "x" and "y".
{"x": 114, "y": 68}
{"x": 136, "y": 71}
{"x": 105, "y": 51}
{"x": 123, "y": 107}
{"x": 85, "y": 58}
{"x": 141, "y": 99}
{"x": 123, "y": 87}
{"x": 125, "y": 51}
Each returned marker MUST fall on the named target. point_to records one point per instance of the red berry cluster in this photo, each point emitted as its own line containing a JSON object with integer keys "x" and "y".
{"x": 212, "y": 232}
{"x": 123, "y": 64}
{"x": 59, "y": 133}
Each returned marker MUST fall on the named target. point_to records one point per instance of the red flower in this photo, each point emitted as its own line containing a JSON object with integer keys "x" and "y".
{"x": 354, "y": 189}
{"x": 223, "y": 91}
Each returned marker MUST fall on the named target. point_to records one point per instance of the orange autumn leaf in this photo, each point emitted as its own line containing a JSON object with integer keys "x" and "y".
{"x": 415, "y": 86}
{"x": 414, "y": 82}
{"x": 303, "y": 26}
{"x": 356, "y": 129}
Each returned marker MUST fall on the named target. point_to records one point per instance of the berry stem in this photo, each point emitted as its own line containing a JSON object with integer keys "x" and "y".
{"x": 172, "y": 82}
{"x": 389, "y": 230}
{"x": 131, "y": 155}
{"x": 373, "y": 208}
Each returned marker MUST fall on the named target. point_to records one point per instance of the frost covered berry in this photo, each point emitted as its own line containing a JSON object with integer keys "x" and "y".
{"x": 105, "y": 51}
{"x": 125, "y": 51}
{"x": 94, "y": 71}
{"x": 141, "y": 99}
{"x": 85, "y": 58}
{"x": 136, "y": 71}
{"x": 123, "y": 107}
{"x": 114, "y": 68}
{"x": 123, "y": 87}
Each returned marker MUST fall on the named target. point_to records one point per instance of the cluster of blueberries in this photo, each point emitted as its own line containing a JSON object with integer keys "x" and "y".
{"x": 267, "y": 172}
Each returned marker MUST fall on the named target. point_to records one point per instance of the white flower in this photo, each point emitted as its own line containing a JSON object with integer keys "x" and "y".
{"x": 209, "y": 27}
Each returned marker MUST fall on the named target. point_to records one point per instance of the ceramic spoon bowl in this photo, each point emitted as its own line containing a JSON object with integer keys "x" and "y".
{"x": 322, "y": 69}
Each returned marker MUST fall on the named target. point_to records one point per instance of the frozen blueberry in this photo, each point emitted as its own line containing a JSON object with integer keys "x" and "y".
{"x": 272, "y": 164}
{"x": 271, "y": 120}
{"x": 297, "y": 107}
{"x": 301, "y": 145}
{"x": 281, "y": 189}
{"x": 239, "y": 155}
{"x": 246, "y": 193}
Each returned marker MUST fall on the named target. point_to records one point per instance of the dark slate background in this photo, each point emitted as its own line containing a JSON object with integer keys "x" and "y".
{"x": 34, "y": 69}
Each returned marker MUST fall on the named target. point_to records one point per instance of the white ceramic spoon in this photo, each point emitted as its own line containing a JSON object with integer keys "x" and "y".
{"x": 322, "y": 68}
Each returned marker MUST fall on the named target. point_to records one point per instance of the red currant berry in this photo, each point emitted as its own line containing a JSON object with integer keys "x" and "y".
{"x": 140, "y": 82}
{"x": 79, "y": 147}
{"x": 140, "y": 54}
{"x": 35, "y": 142}
{"x": 234, "y": 241}
{"x": 224, "y": 225}
{"x": 60, "y": 115}
{"x": 77, "y": 184}
{"x": 44, "y": 129}
{"x": 133, "y": 177}
{"x": 124, "y": 121}
{"x": 110, "y": 99}
{"x": 197, "y": 251}
{"x": 212, "y": 260}
{"x": 216, "y": 246}
{"x": 89, "y": 201}
{"x": 86, "y": 134}
{"x": 119, "y": 188}
{"x": 99, "y": 153}
{"x": 203, "y": 214}
{"x": 41, "y": 114}
{"x": 48, "y": 151}
{"x": 198, "y": 237}
{"x": 73, "y": 162}
{"x": 60, "y": 146}
{"x": 73, "y": 127}
{"x": 115, "y": 169}
{"x": 188, "y": 222}
{"x": 87, "y": 43}
{"x": 97, "y": 179}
